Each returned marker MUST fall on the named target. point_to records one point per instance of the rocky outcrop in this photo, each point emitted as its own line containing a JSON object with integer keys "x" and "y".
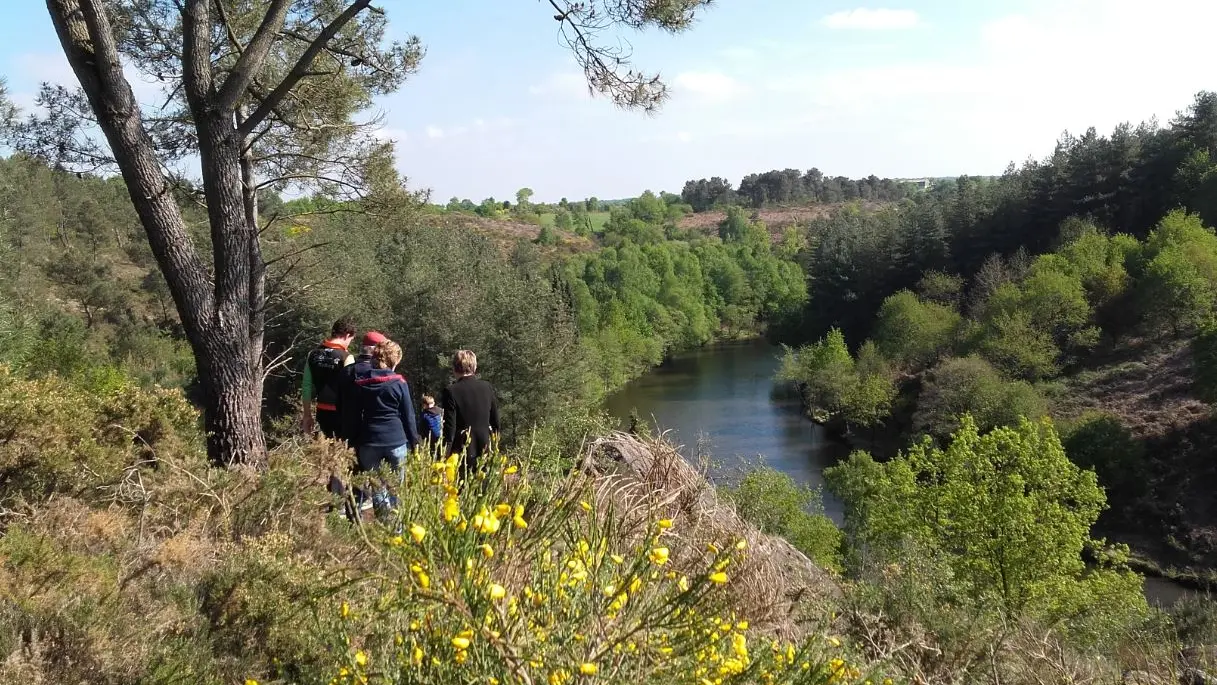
{"x": 642, "y": 481}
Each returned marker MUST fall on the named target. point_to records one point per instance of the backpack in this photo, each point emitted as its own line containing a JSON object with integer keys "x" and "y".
{"x": 326, "y": 363}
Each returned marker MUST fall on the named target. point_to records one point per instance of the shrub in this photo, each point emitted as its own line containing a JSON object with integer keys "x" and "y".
{"x": 69, "y": 438}
{"x": 773, "y": 502}
{"x": 180, "y": 570}
{"x": 970, "y": 385}
{"x": 1101, "y": 443}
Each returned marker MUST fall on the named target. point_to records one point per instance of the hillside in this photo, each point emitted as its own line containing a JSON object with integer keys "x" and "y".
{"x": 1173, "y": 517}
{"x": 776, "y": 219}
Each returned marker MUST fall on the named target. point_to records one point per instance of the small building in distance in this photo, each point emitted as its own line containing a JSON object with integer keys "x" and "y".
{"x": 922, "y": 183}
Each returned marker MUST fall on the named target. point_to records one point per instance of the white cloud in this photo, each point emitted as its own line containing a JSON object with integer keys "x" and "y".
{"x": 709, "y": 85}
{"x": 872, "y": 19}
{"x": 434, "y": 132}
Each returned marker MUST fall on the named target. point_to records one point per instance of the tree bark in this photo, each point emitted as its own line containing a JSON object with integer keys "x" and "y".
{"x": 214, "y": 310}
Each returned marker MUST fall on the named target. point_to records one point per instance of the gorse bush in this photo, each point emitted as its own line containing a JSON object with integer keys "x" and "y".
{"x": 61, "y": 438}
{"x": 486, "y": 583}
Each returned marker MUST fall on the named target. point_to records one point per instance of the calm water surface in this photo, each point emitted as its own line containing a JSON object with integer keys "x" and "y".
{"x": 720, "y": 400}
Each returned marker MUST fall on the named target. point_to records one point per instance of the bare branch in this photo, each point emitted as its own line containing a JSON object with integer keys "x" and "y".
{"x": 254, "y": 54}
{"x": 297, "y": 253}
{"x": 301, "y": 67}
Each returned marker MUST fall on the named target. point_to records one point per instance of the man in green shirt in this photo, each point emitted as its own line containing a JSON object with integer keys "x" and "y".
{"x": 320, "y": 388}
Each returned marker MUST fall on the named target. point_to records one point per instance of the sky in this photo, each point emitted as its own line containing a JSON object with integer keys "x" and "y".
{"x": 902, "y": 88}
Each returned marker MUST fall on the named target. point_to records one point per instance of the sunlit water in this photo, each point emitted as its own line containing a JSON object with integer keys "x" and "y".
{"x": 720, "y": 401}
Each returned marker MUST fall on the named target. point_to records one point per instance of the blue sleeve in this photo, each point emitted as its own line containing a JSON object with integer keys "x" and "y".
{"x": 408, "y": 420}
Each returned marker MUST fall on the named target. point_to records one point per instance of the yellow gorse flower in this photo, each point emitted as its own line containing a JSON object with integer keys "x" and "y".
{"x": 487, "y": 550}
{"x": 502, "y": 509}
{"x": 418, "y": 533}
{"x": 452, "y": 509}
{"x": 497, "y": 591}
{"x": 460, "y": 642}
{"x": 485, "y": 522}
{"x": 588, "y": 668}
{"x": 664, "y": 523}
{"x": 518, "y": 517}
{"x": 361, "y": 658}
{"x": 718, "y": 577}
{"x": 658, "y": 556}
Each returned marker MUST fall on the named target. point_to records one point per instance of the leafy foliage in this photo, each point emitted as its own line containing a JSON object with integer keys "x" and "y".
{"x": 776, "y": 504}
{"x": 970, "y": 385}
{"x": 1008, "y": 513}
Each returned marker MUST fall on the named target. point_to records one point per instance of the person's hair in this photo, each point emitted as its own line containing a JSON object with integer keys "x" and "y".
{"x": 387, "y": 354}
{"x": 428, "y": 399}
{"x": 464, "y": 362}
{"x": 342, "y": 328}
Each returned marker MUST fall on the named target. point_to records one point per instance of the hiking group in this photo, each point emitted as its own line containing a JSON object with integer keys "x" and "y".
{"x": 365, "y": 401}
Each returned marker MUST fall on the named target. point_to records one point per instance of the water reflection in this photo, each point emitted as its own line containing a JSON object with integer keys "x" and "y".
{"x": 724, "y": 396}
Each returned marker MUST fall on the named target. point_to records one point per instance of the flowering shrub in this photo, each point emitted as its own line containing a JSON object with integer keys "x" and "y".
{"x": 483, "y": 582}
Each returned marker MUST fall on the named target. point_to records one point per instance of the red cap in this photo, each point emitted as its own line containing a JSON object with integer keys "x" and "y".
{"x": 372, "y": 338}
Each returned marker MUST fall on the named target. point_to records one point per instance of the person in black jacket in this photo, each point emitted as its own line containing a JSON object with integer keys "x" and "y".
{"x": 388, "y": 429}
{"x": 348, "y": 405}
{"x": 471, "y": 411}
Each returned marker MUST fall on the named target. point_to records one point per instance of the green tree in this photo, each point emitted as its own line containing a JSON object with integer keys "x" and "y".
{"x": 1005, "y": 508}
{"x": 1204, "y": 364}
{"x": 775, "y": 503}
{"x": 970, "y": 385}
{"x": 824, "y": 373}
{"x": 734, "y": 226}
{"x": 913, "y": 331}
{"x": 264, "y": 95}
{"x": 546, "y": 236}
{"x": 869, "y": 400}
{"x": 1101, "y": 443}
{"x": 943, "y": 288}
{"x": 523, "y": 201}
{"x": 562, "y": 220}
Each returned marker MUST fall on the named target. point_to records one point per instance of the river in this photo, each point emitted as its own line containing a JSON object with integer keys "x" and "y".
{"x": 721, "y": 401}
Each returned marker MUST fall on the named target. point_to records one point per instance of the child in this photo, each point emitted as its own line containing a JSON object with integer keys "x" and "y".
{"x": 433, "y": 416}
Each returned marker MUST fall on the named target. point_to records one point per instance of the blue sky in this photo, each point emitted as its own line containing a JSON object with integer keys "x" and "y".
{"x": 901, "y": 88}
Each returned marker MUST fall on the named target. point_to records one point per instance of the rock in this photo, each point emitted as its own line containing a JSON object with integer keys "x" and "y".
{"x": 1141, "y": 678}
{"x": 1195, "y": 676}
{"x": 1199, "y": 656}
{"x": 643, "y": 480}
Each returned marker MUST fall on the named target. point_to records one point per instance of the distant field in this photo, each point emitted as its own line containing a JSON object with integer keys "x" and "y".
{"x": 599, "y": 219}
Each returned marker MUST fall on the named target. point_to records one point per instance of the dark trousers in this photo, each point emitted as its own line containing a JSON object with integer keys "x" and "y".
{"x": 330, "y": 425}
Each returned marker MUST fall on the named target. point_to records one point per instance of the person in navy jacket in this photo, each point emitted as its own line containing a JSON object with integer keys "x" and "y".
{"x": 388, "y": 429}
